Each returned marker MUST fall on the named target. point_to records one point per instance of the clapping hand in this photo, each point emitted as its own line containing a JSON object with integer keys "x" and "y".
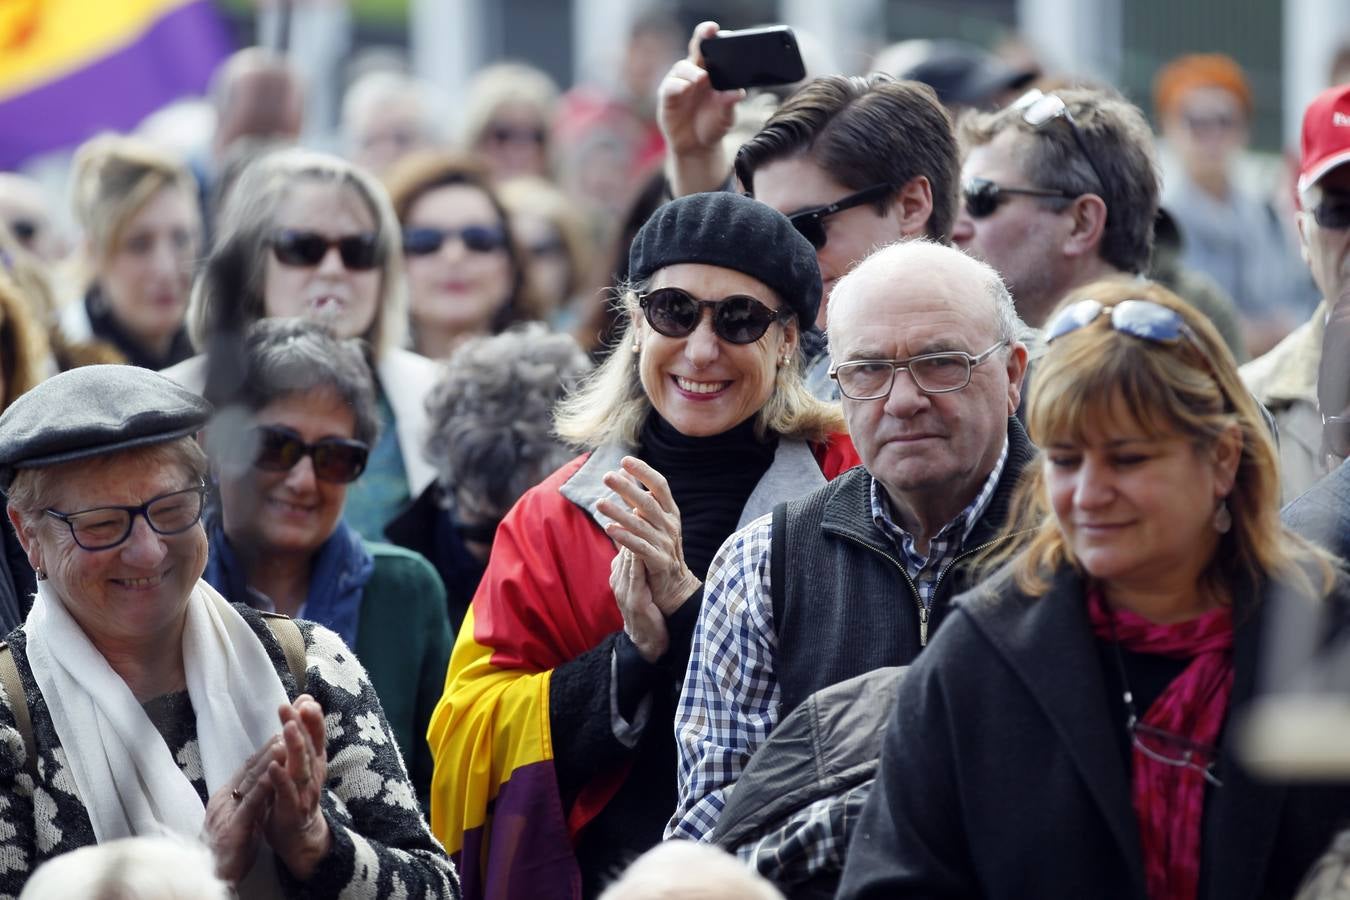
{"x": 296, "y": 828}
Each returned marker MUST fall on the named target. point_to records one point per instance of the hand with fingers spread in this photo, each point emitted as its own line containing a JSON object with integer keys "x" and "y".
{"x": 235, "y": 813}
{"x": 694, "y": 118}
{"x": 296, "y": 828}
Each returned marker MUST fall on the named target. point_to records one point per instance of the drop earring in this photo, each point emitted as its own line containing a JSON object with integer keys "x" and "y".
{"x": 1223, "y": 519}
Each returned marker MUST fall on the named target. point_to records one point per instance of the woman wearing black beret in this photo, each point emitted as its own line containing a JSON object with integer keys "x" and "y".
{"x": 555, "y": 758}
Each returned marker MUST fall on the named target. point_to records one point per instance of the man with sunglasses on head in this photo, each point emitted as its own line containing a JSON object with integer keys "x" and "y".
{"x": 854, "y": 162}
{"x": 1058, "y": 190}
{"x": 1286, "y": 379}
{"x": 856, "y": 576}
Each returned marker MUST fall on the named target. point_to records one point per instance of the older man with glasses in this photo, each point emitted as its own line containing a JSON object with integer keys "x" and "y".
{"x": 1286, "y": 378}
{"x": 1058, "y": 190}
{"x": 857, "y": 575}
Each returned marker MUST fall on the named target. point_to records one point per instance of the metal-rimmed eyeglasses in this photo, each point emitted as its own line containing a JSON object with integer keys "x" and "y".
{"x": 1039, "y": 109}
{"x": 1171, "y": 749}
{"x": 104, "y": 527}
{"x": 810, "y": 223}
{"x": 933, "y": 373}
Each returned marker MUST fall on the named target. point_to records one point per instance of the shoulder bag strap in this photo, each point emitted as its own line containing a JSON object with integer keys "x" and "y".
{"x": 292, "y": 643}
{"x": 18, "y": 701}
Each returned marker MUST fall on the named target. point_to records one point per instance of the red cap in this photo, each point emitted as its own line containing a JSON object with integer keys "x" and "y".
{"x": 1326, "y": 135}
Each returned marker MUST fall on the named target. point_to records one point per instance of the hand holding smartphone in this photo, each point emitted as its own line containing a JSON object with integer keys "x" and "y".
{"x": 753, "y": 57}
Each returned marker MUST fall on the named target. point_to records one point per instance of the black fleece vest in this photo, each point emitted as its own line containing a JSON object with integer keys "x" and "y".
{"x": 843, "y": 603}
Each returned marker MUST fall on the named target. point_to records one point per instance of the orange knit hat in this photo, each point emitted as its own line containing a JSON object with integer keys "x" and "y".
{"x": 1196, "y": 71}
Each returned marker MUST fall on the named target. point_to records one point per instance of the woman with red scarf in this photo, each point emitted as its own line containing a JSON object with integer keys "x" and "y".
{"x": 1070, "y": 731}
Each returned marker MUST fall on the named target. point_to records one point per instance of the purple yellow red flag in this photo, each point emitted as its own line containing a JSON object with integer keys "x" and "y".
{"x": 72, "y": 68}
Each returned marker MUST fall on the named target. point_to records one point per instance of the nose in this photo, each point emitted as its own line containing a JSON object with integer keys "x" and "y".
{"x": 331, "y": 263}
{"x": 165, "y": 262}
{"x": 963, "y": 232}
{"x": 1094, "y": 489}
{"x": 143, "y": 548}
{"x": 703, "y": 346}
{"x": 301, "y": 477}
{"x": 905, "y": 399}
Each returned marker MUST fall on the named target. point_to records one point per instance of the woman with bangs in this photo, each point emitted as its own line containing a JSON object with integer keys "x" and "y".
{"x": 1069, "y": 731}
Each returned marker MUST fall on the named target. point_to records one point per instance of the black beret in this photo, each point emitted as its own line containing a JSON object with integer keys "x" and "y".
{"x": 735, "y": 232}
{"x": 91, "y": 411}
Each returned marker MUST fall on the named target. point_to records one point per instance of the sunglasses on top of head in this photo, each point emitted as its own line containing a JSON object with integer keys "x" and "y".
{"x": 1040, "y": 110}
{"x": 336, "y": 460}
{"x": 738, "y": 319}
{"x": 983, "y": 197}
{"x": 306, "y": 249}
{"x": 475, "y": 238}
{"x": 810, "y": 223}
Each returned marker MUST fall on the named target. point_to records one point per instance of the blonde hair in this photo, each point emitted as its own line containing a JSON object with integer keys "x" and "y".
{"x": 611, "y": 405}
{"x": 229, "y": 294}
{"x": 1195, "y": 392}
{"x": 506, "y": 83}
{"x": 23, "y": 348}
{"x": 114, "y": 177}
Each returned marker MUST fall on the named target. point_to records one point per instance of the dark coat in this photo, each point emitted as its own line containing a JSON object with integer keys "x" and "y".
{"x": 1323, "y": 513}
{"x": 1002, "y": 775}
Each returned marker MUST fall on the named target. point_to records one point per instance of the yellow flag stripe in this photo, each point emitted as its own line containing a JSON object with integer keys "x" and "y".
{"x": 42, "y": 40}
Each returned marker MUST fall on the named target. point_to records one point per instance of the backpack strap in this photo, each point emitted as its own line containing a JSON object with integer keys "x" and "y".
{"x": 18, "y": 701}
{"x": 778, "y": 564}
{"x": 292, "y": 643}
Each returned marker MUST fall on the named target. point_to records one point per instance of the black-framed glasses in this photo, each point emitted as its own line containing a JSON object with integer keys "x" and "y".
{"x": 933, "y": 373}
{"x": 306, "y": 249}
{"x": 1333, "y": 211}
{"x": 476, "y": 238}
{"x": 738, "y": 319}
{"x": 1039, "y": 109}
{"x": 336, "y": 460}
{"x": 811, "y": 222}
{"x": 104, "y": 527}
{"x": 983, "y": 197}
{"x": 1170, "y": 749}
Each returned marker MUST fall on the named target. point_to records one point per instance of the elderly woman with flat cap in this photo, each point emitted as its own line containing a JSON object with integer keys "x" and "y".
{"x": 137, "y": 701}
{"x": 555, "y": 757}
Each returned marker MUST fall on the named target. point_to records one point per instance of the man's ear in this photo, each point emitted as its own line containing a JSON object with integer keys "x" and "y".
{"x": 1088, "y": 216}
{"x": 1017, "y": 373}
{"x": 913, "y": 205}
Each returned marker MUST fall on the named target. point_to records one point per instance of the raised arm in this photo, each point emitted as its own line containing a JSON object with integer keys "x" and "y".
{"x": 694, "y": 118}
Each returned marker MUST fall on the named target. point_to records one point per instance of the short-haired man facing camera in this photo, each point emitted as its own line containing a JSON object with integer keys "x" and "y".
{"x": 1058, "y": 190}
{"x": 855, "y": 162}
{"x": 856, "y": 576}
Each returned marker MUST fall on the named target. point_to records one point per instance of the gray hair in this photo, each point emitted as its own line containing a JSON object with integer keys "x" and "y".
{"x": 612, "y": 405}
{"x": 684, "y": 869}
{"x": 490, "y": 414}
{"x": 135, "y": 868}
{"x": 284, "y": 357}
{"x": 374, "y": 89}
{"x": 228, "y": 297}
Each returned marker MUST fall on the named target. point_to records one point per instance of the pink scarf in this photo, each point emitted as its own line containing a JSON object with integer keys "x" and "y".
{"x": 1169, "y": 800}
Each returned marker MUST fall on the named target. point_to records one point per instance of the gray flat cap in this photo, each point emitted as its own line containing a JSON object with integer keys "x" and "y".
{"x": 91, "y": 411}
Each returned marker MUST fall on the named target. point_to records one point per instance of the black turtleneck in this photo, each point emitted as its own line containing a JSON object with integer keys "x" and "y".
{"x": 710, "y": 479}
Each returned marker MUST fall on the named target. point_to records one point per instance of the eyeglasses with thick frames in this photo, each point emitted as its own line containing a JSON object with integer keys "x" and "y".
{"x": 811, "y": 222}
{"x": 933, "y": 373}
{"x": 105, "y": 527}
{"x": 475, "y": 238}
{"x": 1039, "y": 109}
{"x": 738, "y": 319}
{"x": 306, "y": 249}
{"x": 336, "y": 460}
{"x": 983, "y": 197}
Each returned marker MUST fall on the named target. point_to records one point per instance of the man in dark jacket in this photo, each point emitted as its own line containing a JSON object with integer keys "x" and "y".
{"x": 856, "y": 575}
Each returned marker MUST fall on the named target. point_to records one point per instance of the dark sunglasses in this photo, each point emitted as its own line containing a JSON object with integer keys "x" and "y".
{"x": 477, "y": 238}
{"x": 307, "y": 249}
{"x": 24, "y": 230}
{"x": 811, "y": 222}
{"x": 507, "y": 134}
{"x": 336, "y": 460}
{"x": 1333, "y": 211}
{"x": 983, "y": 197}
{"x": 1039, "y": 110}
{"x": 737, "y": 319}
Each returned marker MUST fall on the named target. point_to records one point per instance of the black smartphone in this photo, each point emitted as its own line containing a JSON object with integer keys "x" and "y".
{"x": 753, "y": 57}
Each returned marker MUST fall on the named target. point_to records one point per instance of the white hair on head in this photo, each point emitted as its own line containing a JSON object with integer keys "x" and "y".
{"x": 921, "y": 254}
{"x": 687, "y": 870}
{"x": 137, "y": 868}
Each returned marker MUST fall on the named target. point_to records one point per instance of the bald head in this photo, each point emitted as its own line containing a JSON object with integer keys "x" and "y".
{"x": 257, "y": 93}
{"x": 918, "y": 271}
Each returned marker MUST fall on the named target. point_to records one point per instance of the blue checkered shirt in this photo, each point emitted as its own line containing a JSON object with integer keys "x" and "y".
{"x": 729, "y": 703}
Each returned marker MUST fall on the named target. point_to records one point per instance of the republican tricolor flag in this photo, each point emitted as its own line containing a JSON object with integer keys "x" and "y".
{"x": 72, "y": 68}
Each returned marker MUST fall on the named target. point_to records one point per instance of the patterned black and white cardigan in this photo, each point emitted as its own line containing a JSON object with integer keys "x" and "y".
{"x": 382, "y": 847}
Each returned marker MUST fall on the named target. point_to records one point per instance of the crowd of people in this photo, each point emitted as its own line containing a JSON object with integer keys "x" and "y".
{"x": 900, "y": 485}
